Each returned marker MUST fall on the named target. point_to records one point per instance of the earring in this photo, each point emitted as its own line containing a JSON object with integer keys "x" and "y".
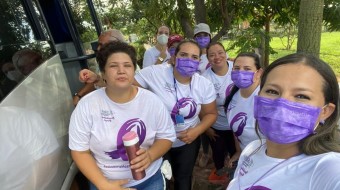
{"x": 322, "y": 122}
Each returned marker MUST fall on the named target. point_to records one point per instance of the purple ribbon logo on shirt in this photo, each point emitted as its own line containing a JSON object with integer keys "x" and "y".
{"x": 183, "y": 102}
{"x": 126, "y": 127}
{"x": 238, "y": 130}
{"x": 228, "y": 89}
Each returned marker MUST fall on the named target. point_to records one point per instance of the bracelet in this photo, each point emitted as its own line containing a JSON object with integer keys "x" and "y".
{"x": 76, "y": 94}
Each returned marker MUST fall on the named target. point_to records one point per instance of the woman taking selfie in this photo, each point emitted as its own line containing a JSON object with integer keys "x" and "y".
{"x": 298, "y": 119}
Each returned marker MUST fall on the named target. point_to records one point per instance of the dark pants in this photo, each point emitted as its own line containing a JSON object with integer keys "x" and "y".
{"x": 223, "y": 146}
{"x": 182, "y": 160}
{"x": 205, "y": 143}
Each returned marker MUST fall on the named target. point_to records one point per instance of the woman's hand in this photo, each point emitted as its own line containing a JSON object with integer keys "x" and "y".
{"x": 234, "y": 158}
{"x": 211, "y": 134}
{"x": 87, "y": 76}
{"x": 189, "y": 135}
{"x": 142, "y": 161}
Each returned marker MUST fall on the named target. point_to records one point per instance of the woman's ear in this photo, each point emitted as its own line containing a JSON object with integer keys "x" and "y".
{"x": 327, "y": 111}
{"x": 258, "y": 74}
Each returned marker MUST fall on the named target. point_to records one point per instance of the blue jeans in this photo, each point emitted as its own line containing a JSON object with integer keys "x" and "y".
{"x": 155, "y": 182}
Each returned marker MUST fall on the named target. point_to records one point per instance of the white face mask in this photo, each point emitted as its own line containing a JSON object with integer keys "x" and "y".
{"x": 15, "y": 75}
{"x": 162, "y": 39}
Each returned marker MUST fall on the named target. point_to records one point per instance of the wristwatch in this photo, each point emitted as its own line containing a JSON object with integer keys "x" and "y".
{"x": 76, "y": 94}
{"x": 160, "y": 59}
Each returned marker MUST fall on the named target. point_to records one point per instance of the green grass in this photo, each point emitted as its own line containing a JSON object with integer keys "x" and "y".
{"x": 329, "y": 51}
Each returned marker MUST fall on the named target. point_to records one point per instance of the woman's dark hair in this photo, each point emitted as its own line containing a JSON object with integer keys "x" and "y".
{"x": 326, "y": 137}
{"x": 187, "y": 41}
{"x": 115, "y": 47}
{"x": 212, "y": 44}
{"x": 235, "y": 88}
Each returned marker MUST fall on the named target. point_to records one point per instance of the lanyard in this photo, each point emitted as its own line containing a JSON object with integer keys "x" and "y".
{"x": 175, "y": 85}
{"x": 264, "y": 175}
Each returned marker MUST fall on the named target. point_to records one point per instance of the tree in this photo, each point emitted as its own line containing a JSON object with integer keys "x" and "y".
{"x": 310, "y": 26}
{"x": 331, "y": 15}
{"x": 185, "y": 19}
{"x": 261, "y": 14}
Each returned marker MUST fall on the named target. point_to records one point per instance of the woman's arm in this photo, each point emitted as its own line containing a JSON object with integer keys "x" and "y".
{"x": 236, "y": 155}
{"x": 146, "y": 157}
{"x": 87, "y": 165}
{"x": 208, "y": 117}
{"x": 87, "y": 88}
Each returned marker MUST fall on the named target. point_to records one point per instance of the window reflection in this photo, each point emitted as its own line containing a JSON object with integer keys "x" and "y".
{"x": 17, "y": 42}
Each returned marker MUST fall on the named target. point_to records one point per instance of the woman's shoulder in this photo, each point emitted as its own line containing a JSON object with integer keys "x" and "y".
{"x": 328, "y": 159}
{"x": 254, "y": 145}
{"x": 94, "y": 95}
{"x": 207, "y": 73}
{"x": 201, "y": 80}
{"x": 148, "y": 97}
{"x": 157, "y": 69}
{"x": 326, "y": 173}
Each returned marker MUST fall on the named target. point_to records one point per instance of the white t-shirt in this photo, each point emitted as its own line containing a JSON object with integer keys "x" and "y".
{"x": 317, "y": 172}
{"x": 223, "y": 86}
{"x": 241, "y": 119}
{"x": 160, "y": 80}
{"x": 98, "y": 124}
{"x": 151, "y": 55}
{"x": 204, "y": 64}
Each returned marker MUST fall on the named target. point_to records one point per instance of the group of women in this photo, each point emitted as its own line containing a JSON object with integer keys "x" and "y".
{"x": 296, "y": 120}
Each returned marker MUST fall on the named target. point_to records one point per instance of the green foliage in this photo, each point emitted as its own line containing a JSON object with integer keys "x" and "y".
{"x": 331, "y": 14}
{"x": 287, "y": 35}
{"x": 246, "y": 40}
{"x": 83, "y": 20}
{"x": 329, "y": 52}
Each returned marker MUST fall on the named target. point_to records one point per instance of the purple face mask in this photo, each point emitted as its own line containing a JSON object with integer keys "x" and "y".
{"x": 242, "y": 79}
{"x": 172, "y": 51}
{"x": 186, "y": 66}
{"x": 283, "y": 121}
{"x": 203, "y": 41}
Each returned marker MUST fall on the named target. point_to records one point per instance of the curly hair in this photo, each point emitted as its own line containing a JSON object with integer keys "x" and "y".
{"x": 115, "y": 47}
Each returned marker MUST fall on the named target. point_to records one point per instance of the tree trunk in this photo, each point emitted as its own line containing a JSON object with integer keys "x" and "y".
{"x": 266, "y": 43}
{"x": 184, "y": 18}
{"x": 200, "y": 11}
{"x": 310, "y": 26}
{"x": 226, "y": 18}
